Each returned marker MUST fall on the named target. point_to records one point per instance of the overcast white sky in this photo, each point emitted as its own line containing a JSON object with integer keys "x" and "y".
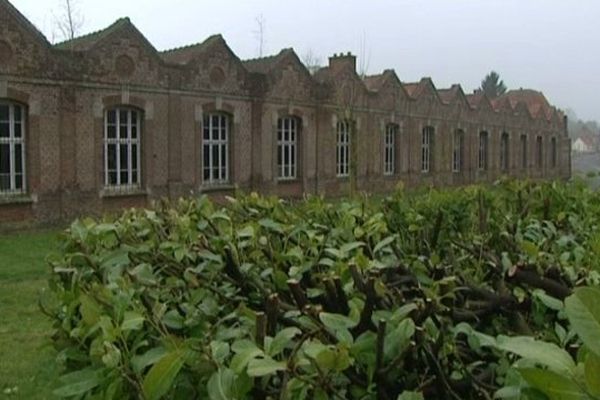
{"x": 549, "y": 45}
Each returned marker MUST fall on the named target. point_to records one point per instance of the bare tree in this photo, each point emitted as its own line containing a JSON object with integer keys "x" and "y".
{"x": 364, "y": 57}
{"x": 69, "y": 21}
{"x": 311, "y": 61}
{"x": 259, "y": 33}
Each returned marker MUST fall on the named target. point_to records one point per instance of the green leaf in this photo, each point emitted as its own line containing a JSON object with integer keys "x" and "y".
{"x": 336, "y": 321}
{"x": 530, "y": 248}
{"x": 220, "y": 385}
{"x": 282, "y": 340}
{"x": 553, "y": 385}
{"x": 583, "y": 310}
{"x": 411, "y": 396}
{"x": 265, "y": 366}
{"x": 173, "y": 320}
{"x": 348, "y": 247}
{"x": 161, "y": 376}
{"x": 132, "y": 321}
{"x": 246, "y": 351}
{"x": 90, "y": 310}
{"x": 546, "y": 354}
{"x": 139, "y": 363}
{"x": 398, "y": 339}
{"x": 592, "y": 374}
{"x": 78, "y": 383}
{"x": 384, "y": 243}
{"x": 549, "y": 301}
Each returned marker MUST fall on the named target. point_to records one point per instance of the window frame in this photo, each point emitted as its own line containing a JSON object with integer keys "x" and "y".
{"x": 504, "y": 151}
{"x": 342, "y": 154}
{"x": 221, "y": 143}
{"x": 539, "y": 151}
{"x": 457, "y": 150}
{"x": 524, "y": 156}
{"x": 13, "y": 141}
{"x": 389, "y": 149}
{"x": 287, "y": 144}
{"x": 553, "y": 152}
{"x": 128, "y": 142}
{"x": 427, "y": 137}
{"x": 483, "y": 159}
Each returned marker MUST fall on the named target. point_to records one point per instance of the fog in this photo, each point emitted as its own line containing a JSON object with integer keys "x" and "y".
{"x": 548, "y": 45}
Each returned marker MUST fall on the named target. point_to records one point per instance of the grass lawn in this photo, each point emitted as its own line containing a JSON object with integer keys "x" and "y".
{"x": 27, "y": 360}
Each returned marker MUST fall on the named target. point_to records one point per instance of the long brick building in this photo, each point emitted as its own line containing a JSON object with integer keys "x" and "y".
{"x": 106, "y": 121}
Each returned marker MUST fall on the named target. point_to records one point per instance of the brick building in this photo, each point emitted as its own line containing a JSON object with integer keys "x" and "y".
{"x": 106, "y": 121}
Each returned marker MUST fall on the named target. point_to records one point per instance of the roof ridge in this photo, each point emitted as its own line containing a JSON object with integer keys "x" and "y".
{"x": 93, "y": 34}
{"x": 192, "y": 45}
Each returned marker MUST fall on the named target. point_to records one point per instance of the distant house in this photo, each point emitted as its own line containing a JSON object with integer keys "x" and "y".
{"x": 585, "y": 144}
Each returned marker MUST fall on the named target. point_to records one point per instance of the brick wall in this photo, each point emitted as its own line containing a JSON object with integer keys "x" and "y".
{"x": 66, "y": 90}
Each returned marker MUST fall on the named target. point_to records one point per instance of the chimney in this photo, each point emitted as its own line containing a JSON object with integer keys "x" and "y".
{"x": 342, "y": 61}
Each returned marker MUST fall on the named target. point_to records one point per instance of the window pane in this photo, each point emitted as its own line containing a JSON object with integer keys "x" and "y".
{"x": 19, "y": 182}
{"x": 18, "y": 159}
{"x": 4, "y": 182}
{"x": 134, "y": 118}
{"x": 206, "y": 156}
{"x": 4, "y": 130}
{"x": 112, "y": 116}
{"x": 4, "y": 158}
{"x": 112, "y": 178}
{"x": 123, "y": 117}
{"x": 206, "y": 128}
{"x": 223, "y": 159}
{"x": 134, "y": 177}
{"x": 134, "y": 132}
{"x": 18, "y": 129}
{"x": 111, "y": 131}
{"x": 124, "y": 179}
{"x": 134, "y": 156}
{"x": 215, "y": 160}
{"x": 17, "y": 113}
{"x": 112, "y": 157}
{"x": 123, "y": 158}
{"x": 123, "y": 131}
{"x": 3, "y": 112}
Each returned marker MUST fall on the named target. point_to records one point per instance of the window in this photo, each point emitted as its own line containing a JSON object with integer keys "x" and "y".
{"x": 539, "y": 152}
{"x": 483, "y": 151}
{"x": 553, "y": 152}
{"x": 426, "y": 148}
{"x": 122, "y": 148}
{"x": 504, "y": 149}
{"x": 524, "y": 151}
{"x": 215, "y": 149}
{"x": 457, "y": 150}
{"x": 287, "y": 136}
{"x": 12, "y": 148}
{"x": 343, "y": 149}
{"x": 389, "y": 156}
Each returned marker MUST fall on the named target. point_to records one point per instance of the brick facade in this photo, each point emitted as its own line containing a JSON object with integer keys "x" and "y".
{"x": 66, "y": 90}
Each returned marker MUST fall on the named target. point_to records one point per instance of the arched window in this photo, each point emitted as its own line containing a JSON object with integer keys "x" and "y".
{"x": 483, "y": 150}
{"x": 524, "y": 151}
{"x": 426, "y": 148}
{"x": 12, "y": 148}
{"x": 215, "y": 148}
{"x": 553, "y": 152}
{"x": 343, "y": 149}
{"x": 122, "y": 153}
{"x": 389, "y": 149}
{"x": 287, "y": 147}
{"x": 457, "y": 150}
{"x": 504, "y": 151}
{"x": 539, "y": 143}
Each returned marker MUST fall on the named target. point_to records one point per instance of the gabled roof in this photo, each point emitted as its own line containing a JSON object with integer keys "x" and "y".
{"x": 535, "y": 101}
{"x": 91, "y": 40}
{"x": 478, "y": 99}
{"x": 24, "y": 21}
{"x": 450, "y": 95}
{"x": 416, "y": 90}
{"x": 374, "y": 82}
{"x": 264, "y": 65}
{"x": 411, "y": 88}
{"x": 183, "y": 55}
{"x": 86, "y": 42}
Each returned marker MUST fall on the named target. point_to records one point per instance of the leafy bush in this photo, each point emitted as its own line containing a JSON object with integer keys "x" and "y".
{"x": 362, "y": 299}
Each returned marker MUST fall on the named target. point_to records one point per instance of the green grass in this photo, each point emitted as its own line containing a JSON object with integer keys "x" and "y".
{"x": 27, "y": 360}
